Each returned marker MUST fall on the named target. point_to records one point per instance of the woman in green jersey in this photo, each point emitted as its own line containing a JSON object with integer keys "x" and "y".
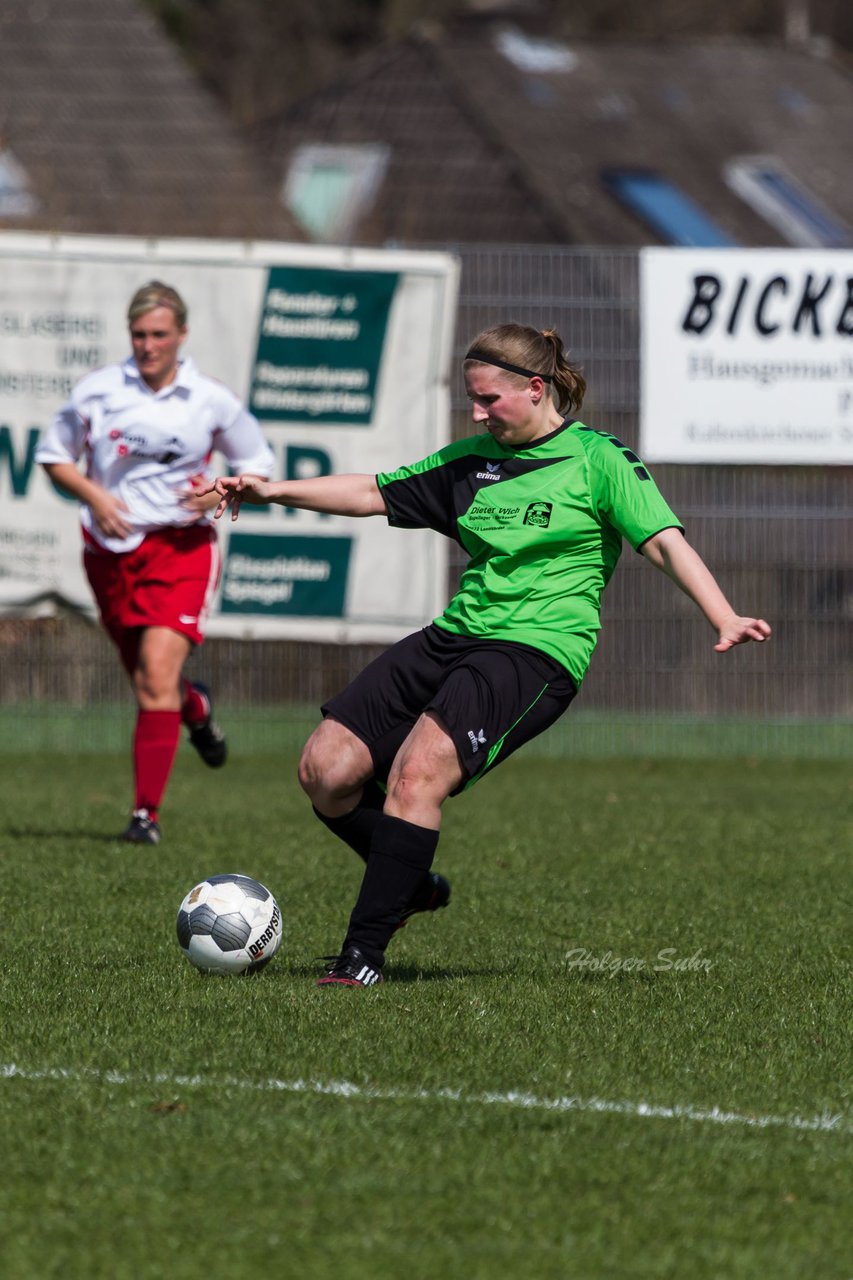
{"x": 540, "y": 503}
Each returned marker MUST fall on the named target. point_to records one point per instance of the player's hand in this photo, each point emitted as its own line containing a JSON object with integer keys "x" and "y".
{"x": 200, "y": 495}
{"x": 235, "y": 490}
{"x": 737, "y": 630}
{"x": 108, "y": 512}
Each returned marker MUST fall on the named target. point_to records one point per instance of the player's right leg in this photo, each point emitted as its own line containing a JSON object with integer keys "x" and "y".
{"x": 334, "y": 767}
{"x": 398, "y": 880}
{"x": 336, "y": 772}
{"x": 369, "y": 721}
{"x": 157, "y": 685}
{"x": 347, "y": 759}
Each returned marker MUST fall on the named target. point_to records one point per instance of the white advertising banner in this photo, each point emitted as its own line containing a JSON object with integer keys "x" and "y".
{"x": 746, "y": 355}
{"x": 342, "y": 354}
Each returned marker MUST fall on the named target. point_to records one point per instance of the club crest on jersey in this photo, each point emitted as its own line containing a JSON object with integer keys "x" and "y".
{"x": 492, "y": 472}
{"x": 539, "y": 513}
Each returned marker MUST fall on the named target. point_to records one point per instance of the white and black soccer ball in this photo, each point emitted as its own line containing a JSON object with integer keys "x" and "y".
{"x": 229, "y": 924}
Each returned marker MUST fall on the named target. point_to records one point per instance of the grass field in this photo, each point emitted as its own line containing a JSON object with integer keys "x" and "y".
{"x": 623, "y": 1051}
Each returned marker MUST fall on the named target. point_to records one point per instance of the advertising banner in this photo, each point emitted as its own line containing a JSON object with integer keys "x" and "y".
{"x": 746, "y": 355}
{"x": 342, "y": 355}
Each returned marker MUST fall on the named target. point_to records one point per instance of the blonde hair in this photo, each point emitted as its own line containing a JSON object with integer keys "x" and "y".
{"x": 156, "y": 294}
{"x": 525, "y": 352}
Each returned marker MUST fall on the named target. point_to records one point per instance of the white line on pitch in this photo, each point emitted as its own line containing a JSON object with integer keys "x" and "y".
{"x": 826, "y": 1122}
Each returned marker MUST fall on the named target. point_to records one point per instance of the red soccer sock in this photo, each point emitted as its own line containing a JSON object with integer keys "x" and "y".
{"x": 194, "y": 708}
{"x": 155, "y": 744}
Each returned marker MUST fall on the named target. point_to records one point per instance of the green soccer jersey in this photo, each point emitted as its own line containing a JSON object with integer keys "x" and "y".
{"x": 543, "y": 527}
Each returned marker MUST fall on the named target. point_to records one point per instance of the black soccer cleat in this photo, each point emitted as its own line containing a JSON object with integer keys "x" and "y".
{"x": 142, "y": 829}
{"x": 433, "y": 894}
{"x": 349, "y": 969}
{"x": 207, "y": 737}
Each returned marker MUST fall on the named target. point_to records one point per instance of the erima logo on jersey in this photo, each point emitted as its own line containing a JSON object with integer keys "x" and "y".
{"x": 492, "y": 472}
{"x": 477, "y": 739}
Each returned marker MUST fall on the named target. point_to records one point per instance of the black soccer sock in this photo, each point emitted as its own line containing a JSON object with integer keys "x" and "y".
{"x": 356, "y": 827}
{"x": 400, "y": 856}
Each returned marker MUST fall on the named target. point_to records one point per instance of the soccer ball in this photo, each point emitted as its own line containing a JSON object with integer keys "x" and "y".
{"x": 229, "y": 924}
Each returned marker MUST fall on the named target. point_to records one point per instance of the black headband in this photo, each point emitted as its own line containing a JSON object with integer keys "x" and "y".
{"x": 474, "y": 354}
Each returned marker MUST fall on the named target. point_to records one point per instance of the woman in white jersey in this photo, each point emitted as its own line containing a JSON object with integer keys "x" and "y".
{"x": 146, "y": 429}
{"x": 541, "y": 503}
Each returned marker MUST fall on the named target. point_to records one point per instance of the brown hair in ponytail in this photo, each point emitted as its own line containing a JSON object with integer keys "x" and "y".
{"x": 534, "y": 353}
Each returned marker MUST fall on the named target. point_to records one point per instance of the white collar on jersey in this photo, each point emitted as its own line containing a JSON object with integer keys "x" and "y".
{"x": 186, "y": 376}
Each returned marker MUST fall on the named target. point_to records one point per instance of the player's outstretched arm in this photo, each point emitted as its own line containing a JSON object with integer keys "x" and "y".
{"x": 346, "y": 495}
{"x": 670, "y": 552}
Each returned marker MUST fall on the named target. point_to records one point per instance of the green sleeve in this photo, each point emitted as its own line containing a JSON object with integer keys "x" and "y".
{"x": 624, "y": 492}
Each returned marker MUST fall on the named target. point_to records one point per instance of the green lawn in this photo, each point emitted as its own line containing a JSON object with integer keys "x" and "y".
{"x": 664, "y": 943}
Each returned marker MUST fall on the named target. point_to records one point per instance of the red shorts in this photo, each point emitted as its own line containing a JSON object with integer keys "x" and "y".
{"x": 168, "y": 581}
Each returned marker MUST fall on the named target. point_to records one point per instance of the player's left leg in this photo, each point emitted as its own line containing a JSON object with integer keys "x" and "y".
{"x": 176, "y": 575}
{"x": 206, "y": 735}
{"x": 425, "y": 771}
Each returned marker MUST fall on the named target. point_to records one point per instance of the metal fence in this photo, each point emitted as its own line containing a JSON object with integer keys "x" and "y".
{"x": 777, "y": 538}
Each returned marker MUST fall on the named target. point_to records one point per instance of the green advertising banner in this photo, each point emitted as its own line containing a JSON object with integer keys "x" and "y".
{"x": 275, "y": 574}
{"x": 320, "y": 343}
{"x": 342, "y": 352}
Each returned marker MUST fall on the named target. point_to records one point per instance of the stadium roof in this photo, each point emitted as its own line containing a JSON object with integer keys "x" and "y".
{"x": 489, "y": 134}
{"x": 104, "y": 129}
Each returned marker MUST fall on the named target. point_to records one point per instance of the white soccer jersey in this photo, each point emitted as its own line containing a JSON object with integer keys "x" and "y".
{"x": 143, "y": 446}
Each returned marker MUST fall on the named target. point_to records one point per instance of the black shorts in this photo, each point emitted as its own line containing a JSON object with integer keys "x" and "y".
{"x": 491, "y": 696}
